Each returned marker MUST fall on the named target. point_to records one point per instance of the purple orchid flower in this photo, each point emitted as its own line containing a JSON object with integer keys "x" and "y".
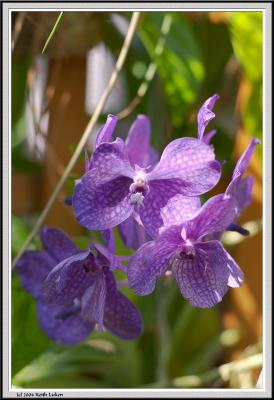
{"x": 203, "y": 270}
{"x": 202, "y": 267}
{"x": 72, "y": 311}
{"x": 115, "y": 187}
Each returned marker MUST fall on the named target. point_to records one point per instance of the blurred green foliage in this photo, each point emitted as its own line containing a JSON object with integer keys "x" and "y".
{"x": 177, "y": 339}
{"x": 179, "y": 66}
{"x": 247, "y": 39}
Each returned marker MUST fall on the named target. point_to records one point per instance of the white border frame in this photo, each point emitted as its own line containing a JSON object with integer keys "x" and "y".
{"x": 266, "y": 391}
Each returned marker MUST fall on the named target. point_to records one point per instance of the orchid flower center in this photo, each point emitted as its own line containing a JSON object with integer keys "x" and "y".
{"x": 91, "y": 268}
{"x": 187, "y": 248}
{"x": 139, "y": 188}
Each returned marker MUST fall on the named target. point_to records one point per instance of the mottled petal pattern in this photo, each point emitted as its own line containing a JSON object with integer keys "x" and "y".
{"x": 153, "y": 214}
{"x": 178, "y": 209}
{"x": 69, "y": 279}
{"x": 203, "y": 279}
{"x": 33, "y": 268}
{"x": 241, "y": 189}
{"x": 151, "y": 261}
{"x": 69, "y": 331}
{"x": 214, "y": 216}
{"x": 190, "y": 161}
{"x": 93, "y": 302}
{"x": 109, "y": 162}
{"x": 137, "y": 142}
{"x": 102, "y": 207}
{"x": 205, "y": 114}
{"x": 57, "y": 243}
{"x": 121, "y": 317}
{"x": 236, "y": 275}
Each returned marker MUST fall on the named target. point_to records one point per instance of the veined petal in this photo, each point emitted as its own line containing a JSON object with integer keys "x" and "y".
{"x": 244, "y": 160}
{"x": 57, "y": 243}
{"x": 102, "y": 207}
{"x": 205, "y": 114}
{"x": 109, "y": 240}
{"x": 110, "y": 161}
{"x": 190, "y": 161}
{"x": 137, "y": 142}
{"x": 33, "y": 268}
{"x": 69, "y": 279}
{"x": 132, "y": 234}
{"x": 214, "y": 216}
{"x": 121, "y": 317}
{"x": 236, "y": 275}
{"x": 156, "y": 211}
{"x": 101, "y": 200}
{"x": 68, "y": 331}
{"x": 203, "y": 279}
{"x": 178, "y": 209}
{"x": 151, "y": 261}
{"x": 106, "y": 131}
{"x": 93, "y": 302}
{"x": 241, "y": 189}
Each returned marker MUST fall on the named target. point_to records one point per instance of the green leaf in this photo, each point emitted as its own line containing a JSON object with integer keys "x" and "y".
{"x": 113, "y": 364}
{"x": 246, "y": 36}
{"x": 179, "y": 66}
{"x": 28, "y": 340}
{"x": 188, "y": 342}
{"x": 216, "y": 49}
{"x": 19, "y": 234}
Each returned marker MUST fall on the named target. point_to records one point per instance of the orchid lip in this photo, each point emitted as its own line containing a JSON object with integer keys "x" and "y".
{"x": 139, "y": 188}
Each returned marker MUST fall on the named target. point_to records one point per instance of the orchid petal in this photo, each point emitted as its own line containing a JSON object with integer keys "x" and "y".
{"x": 155, "y": 211}
{"x": 244, "y": 160}
{"x": 132, "y": 234}
{"x": 151, "y": 261}
{"x": 57, "y": 243}
{"x": 69, "y": 331}
{"x": 191, "y": 164}
{"x": 137, "y": 142}
{"x": 205, "y": 114}
{"x": 105, "y": 133}
{"x": 109, "y": 239}
{"x": 214, "y": 216}
{"x": 33, "y": 268}
{"x": 93, "y": 302}
{"x": 69, "y": 279}
{"x": 203, "y": 279}
{"x": 208, "y": 136}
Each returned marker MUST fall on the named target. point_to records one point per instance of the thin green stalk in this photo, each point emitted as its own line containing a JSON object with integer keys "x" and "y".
{"x": 52, "y": 31}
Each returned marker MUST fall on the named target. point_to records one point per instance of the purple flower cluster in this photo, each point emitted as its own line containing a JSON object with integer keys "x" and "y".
{"x": 75, "y": 290}
{"x": 156, "y": 205}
